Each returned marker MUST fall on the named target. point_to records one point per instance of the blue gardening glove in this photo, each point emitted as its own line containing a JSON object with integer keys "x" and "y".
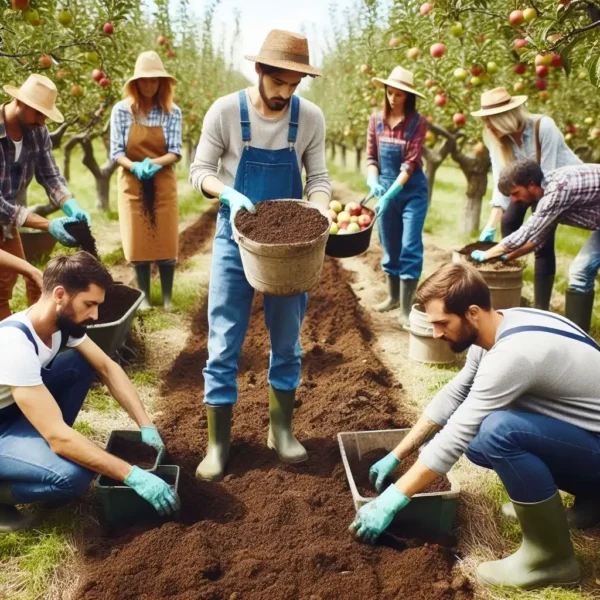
{"x": 151, "y": 437}
{"x": 150, "y": 170}
{"x": 374, "y": 517}
{"x": 383, "y": 202}
{"x": 57, "y": 230}
{"x": 375, "y": 188}
{"x": 139, "y": 170}
{"x": 235, "y": 201}
{"x": 72, "y": 209}
{"x": 154, "y": 490}
{"x": 478, "y": 255}
{"x": 381, "y": 469}
{"x": 487, "y": 234}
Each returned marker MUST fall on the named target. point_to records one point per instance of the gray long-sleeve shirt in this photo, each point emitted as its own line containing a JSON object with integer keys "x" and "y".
{"x": 536, "y": 372}
{"x": 220, "y": 147}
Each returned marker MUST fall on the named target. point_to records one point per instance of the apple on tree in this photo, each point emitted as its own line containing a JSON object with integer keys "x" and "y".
{"x": 437, "y": 50}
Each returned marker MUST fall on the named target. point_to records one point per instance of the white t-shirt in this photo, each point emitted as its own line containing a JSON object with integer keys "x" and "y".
{"x": 20, "y": 366}
{"x": 18, "y": 148}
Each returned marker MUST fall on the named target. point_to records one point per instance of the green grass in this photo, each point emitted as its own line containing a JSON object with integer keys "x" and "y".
{"x": 100, "y": 400}
{"x": 84, "y": 428}
{"x": 140, "y": 378}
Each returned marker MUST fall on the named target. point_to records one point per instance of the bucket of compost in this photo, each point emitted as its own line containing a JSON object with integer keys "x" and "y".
{"x": 36, "y": 244}
{"x": 282, "y": 245}
{"x": 115, "y": 316}
{"x": 351, "y": 229}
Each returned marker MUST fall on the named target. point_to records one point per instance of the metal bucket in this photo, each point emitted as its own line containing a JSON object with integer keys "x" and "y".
{"x": 422, "y": 346}
{"x": 282, "y": 269}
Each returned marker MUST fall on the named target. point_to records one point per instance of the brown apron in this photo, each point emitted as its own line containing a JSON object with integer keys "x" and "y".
{"x": 142, "y": 240}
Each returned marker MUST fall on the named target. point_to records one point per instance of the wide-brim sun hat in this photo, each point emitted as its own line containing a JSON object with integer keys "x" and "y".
{"x": 400, "y": 79}
{"x": 285, "y": 50}
{"x": 40, "y": 93}
{"x": 148, "y": 64}
{"x": 496, "y": 101}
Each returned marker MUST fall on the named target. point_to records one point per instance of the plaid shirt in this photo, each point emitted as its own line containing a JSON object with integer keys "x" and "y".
{"x": 121, "y": 120}
{"x": 36, "y": 159}
{"x": 571, "y": 197}
{"x": 412, "y": 149}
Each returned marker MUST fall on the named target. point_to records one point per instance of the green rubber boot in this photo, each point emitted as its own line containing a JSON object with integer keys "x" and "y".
{"x": 408, "y": 287}
{"x": 167, "y": 275}
{"x": 143, "y": 275}
{"x": 579, "y": 307}
{"x": 542, "y": 291}
{"x": 546, "y": 554}
{"x": 393, "y": 299}
{"x": 281, "y": 439}
{"x": 218, "y": 419}
{"x": 11, "y": 518}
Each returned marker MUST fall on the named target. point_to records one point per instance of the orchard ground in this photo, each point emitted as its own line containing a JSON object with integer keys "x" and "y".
{"x": 43, "y": 563}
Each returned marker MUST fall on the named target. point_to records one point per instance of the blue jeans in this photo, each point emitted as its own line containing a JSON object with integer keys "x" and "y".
{"x": 229, "y": 303}
{"x": 535, "y": 455}
{"x": 401, "y": 229}
{"x": 584, "y": 269}
{"x": 26, "y": 460}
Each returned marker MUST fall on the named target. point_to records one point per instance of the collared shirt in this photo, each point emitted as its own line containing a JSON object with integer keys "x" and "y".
{"x": 121, "y": 119}
{"x": 571, "y": 197}
{"x": 36, "y": 159}
{"x": 554, "y": 152}
{"x": 413, "y": 148}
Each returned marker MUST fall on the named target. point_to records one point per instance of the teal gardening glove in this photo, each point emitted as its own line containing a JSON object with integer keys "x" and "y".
{"x": 374, "y": 517}
{"x": 478, "y": 255}
{"x": 151, "y": 437}
{"x": 139, "y": 170}
{"x": 150, "y": 169}
{"x": 487, "y": 234}
{"x": 384, "y": 201}
{"x": 57, "y": 230}
{"x": 375, "y": 188}
{"x": 72, "y": 209}
{"x": 382, "y": 469}
{"x": 235, "y": 201}
{"x": 154, "y": 490}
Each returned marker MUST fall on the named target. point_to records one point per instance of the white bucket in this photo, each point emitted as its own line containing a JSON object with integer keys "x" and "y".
{"x": 282, "y": 269}
{"x": 422, "y": 346}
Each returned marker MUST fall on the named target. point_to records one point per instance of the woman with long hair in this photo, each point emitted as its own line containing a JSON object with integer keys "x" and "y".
{"x": 146, "y": 143}
{"x": 511, "y": 132}
{"x": 394, "y": 146}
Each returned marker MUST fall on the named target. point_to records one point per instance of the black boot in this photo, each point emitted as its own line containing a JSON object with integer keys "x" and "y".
{"x": 12, "y": 519}
{"x": 143, "y": 275}
{"x": 167, "y": 274}
{"x": 408, "y": 287}
{"x": 579, "y": 307}
{"x": 542, "y": 291}
{"x": 393, "y": 299}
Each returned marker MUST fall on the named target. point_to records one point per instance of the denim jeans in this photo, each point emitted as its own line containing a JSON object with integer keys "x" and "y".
{"x": 26, "y": 460}
{"x": 584, "y": 269}
{"x": 535, "y": 455}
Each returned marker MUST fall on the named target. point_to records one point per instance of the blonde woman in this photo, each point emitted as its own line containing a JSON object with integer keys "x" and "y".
{"x": 146, "y": 143}
{"x": 512, "y": 133}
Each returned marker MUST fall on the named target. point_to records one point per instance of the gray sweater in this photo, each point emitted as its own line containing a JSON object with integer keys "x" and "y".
{"x": 536, "y": 372}
{"x": 220, "y": 146}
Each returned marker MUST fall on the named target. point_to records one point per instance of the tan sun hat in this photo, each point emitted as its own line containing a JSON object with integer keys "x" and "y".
{"x": 148, "y": 64}
{"x": 498, "y": 101}
{"x": 285, "y": 50}
{"x": 399, "y": 78}
{"x": 40, "y": 93}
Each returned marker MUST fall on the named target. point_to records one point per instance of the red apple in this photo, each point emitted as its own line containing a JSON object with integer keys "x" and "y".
{"x": 542, "y": 71}
{"x": 425, "y": 8}
{"x": 556, "y": 61}
{"x": 353, "y": 209}
{"x": 170, "y": 53}
{"x": 161, "y": 40}
{"x": 543, "y": 95}
{"x": 520, "y": 68}
{"x": 365, "y": 68}
{"x": 476, "y": 71}
{"x": 459, "y": 119}
{"x": 343, "y": 224}
{"x": 520, "y": 43}
{"x": 429, "y": 83}
{"x": 543, "y": 59}
{"x": 541, "y": 84}
{"x": 571, "y": 129}
{"x": 480, "y": 38}
{"x": 519, "y": 86}
{"x": 20, "y": 4}
{"x": 440, "y": 100}
{"x": 516, "y": 17}
{"x": 437, "y": 50}
{"x": 108, "y": 28}
{"x": 104, "y": 82}
{"x": 76, "y": 90}
{"x": 97, "y": 75}
{"x": 45, "y": 61}
{"x": 332, "y": 215}
{"x": 394, "y": 43}
{"x": 365, "y": 211}
{"x": 364, "y": 220}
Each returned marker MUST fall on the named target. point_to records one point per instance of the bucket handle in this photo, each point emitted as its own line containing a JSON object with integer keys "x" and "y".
{"x": 365, "y": 200}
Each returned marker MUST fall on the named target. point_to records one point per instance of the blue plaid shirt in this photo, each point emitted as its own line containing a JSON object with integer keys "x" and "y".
{"x": 121, "y": 120}
{"x": 36, "y": 159}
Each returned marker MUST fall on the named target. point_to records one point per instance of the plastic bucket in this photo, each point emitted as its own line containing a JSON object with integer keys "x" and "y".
{"x": 422, "y": 346}
{"x": 350, "y": 244}
{"x": 36, "y": 244}
{"x": 133, "y": 435}
{"x": 432, "y": 512}
{"x": 282, "y": 269}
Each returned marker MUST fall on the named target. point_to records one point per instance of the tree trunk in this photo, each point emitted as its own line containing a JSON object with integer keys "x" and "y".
{"x": 434, "y": 157}
{"x": 343, "y": 154}
{"x": 359, "y": 152}
{"x": 57, "y": 135}
{"x": 190, "y": 152}
{"x": 333, "y": 147}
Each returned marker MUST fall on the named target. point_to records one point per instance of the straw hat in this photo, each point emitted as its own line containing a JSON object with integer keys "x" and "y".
{"x": 285, "y": 50}
{"x": 40, "y": 93}
{"x": 498, "y": 101}
{"x": 399, "y": 78}
{"x": 148, "y": 64}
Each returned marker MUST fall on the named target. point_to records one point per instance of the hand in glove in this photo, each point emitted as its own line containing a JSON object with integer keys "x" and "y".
{"x": 57, "y": 230}
{"x": 150, "y": 169}
{"x": 72, "y": 209}
{"x": 154, "y": 490}
{"x": 139, "y": 170}
{"x": 384, "y": 201}
{"x": 151, "y": 437}
{"x": 487, "y": 234}
{"x": 235, "y": 201}
{"x": 381, "y": 469}
{"x": 478, "y": 255}
{"x": 375, "y": 188}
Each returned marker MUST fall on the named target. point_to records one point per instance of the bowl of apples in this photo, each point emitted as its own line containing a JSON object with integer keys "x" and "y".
{"x": 351, "y": 228}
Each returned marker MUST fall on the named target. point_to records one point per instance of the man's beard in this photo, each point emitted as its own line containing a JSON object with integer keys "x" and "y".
{"x": 467, "y": 337}
{"x": 68, "y": 326}
{"x": 276, "y": 104}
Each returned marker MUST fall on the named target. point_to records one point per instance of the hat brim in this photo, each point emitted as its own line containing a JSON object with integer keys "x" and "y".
{"x": 286, "y": 65}
{"x": 380, "y": 83}
{"x": 53, "y": 113}
{"x": 149, "y": 74}
{"x": 514, "y": 103}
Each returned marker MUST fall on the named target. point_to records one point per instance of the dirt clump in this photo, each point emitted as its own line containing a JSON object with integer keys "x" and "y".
{"x": 494, "y": 264}
{"x": 281, "y": 223}
{"x": 134, "y": 452}
{"x": 83, "y": 234}
{"x": 117, "y": 301}
{"x": 360, "y": 471}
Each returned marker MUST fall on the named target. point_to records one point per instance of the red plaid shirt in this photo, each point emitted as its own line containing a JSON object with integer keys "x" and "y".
{"x": 412, "y": 148}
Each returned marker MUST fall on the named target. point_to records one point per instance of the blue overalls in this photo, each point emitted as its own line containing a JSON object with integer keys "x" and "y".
{"x": 261, "y": 175}
{"x": 401, "y": 226}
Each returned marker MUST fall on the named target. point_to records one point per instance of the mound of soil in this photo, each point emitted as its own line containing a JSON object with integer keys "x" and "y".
{"x": 193, "y": 238}
{"x": 134, "y": 452}
{"x": 82, "y": 233}
{"x": 117, "y": 301}
{"x": 360, "y": 471}
{"x": 272, "y": 531}
{"x": 281, "y": 223}
{"x": 494, "y": 264}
